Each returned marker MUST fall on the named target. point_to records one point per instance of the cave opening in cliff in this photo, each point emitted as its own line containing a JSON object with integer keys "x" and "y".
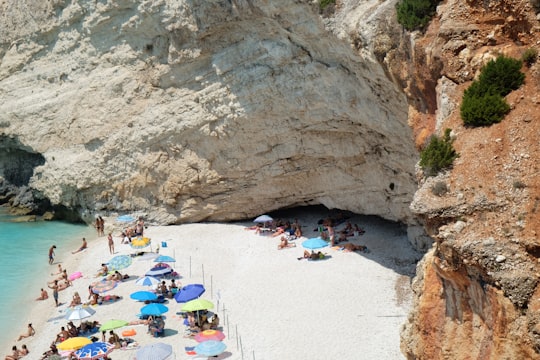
{"x": 379, "y": 234}
{"x": 17, "y": 161}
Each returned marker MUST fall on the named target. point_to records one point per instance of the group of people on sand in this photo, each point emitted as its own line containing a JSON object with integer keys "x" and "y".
{"x": 198, "y": 321}
{"x": 133, "y": 231}
{"x": 17, "y": 353}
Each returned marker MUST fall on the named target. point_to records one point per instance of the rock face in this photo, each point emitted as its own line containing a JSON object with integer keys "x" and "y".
{"x": 205, "y": 110}
{"x": 477, "y": 293}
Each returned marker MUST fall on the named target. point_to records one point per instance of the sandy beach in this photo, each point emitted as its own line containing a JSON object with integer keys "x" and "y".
{"x": 272, "y": 305}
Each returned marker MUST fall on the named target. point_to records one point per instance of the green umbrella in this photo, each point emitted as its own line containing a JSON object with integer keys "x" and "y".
{"x": 197, "y": 304}
{"x": 113, "y": 324}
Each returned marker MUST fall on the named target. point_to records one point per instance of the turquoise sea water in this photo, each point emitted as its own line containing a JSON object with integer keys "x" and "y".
{"x": 24, "y": 267}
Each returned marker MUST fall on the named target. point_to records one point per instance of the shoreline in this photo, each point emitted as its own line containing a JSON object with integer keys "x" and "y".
{"x": 264, "y": 296}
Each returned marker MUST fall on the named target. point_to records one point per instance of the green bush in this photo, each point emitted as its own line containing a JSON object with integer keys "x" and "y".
{"x": 415, "y": 14}
{"x": 324, "y": 3}
{"x": 503, "y": 75}
{"x": 439, "y": 154}
{"x": 483, "y": 110}
{"x": 529, "y": 57}
{"x": 483, "y": 102}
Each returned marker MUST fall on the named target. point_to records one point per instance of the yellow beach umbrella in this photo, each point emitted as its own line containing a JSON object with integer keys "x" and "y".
{"x": 140, "y": 242}
{"x": 74, "y": 343}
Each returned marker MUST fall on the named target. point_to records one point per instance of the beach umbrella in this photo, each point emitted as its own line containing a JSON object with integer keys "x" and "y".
{"x": 75, "y": 275}
{"x": 209, "y": 348}
{"x": 125, "y": 218}
{"x": 197, "y": 304}
{"x": 209, "y": 335}
{"x": 189, "y": 292}
{"x": 147, "y": 281}
{"x": 79, "y": 313}
{"x": 113, "y": 324}
{"x": 263, "y": 219}
{"x": 314, "y": 243}
{"x": 119, "y": 262}
{"x": 143, "y": 296}
{"x": 94, "y": 351}
{"x": 154, "y": 309}
{"x": 156, "y": 351}
{"x": 140, "y": 242}
{"x": 74, "y": 343}
{"x": 159, "y": 271}
{"x": 164, "y": 258}
{"x": 102, "y": 286}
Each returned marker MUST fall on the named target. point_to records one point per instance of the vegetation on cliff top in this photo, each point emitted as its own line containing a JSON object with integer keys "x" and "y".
{"x": 415, "y": 14}
{"x": 483, "y": 102}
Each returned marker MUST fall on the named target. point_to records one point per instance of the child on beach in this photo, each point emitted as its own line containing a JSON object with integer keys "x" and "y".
{"x": 51, "y": 254}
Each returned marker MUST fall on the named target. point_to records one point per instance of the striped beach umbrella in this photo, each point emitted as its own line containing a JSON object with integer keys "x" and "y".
{"x": 102, "y": 286}
{"x": 147, "y": 281}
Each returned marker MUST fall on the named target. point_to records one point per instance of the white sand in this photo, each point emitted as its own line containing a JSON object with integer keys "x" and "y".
{"x": 271, "y": 305}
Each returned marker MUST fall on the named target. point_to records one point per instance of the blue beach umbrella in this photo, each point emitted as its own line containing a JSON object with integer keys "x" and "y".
{"x": 164, "y": 258}
{"x": 143, "y": 296}
{"x": 154, "y": 309}
{"x": 210, "y": 348}
{"x": 314, "y": 243}
{"x": 189, "y": 292}
{"x": 119, "y": 262}
{"x": 147, "y": 281}
{"x": 94, "y": 351}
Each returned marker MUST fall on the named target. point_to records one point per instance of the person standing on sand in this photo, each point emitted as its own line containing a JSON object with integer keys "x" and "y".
{"x": 111, "y": 243}
{"x": 54, "y": 287}
{"x": 51, "y": 254}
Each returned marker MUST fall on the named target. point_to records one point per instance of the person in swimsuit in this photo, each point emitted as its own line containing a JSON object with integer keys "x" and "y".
{"x": 111, "y": 243}
{"x": 54, "y": 287}
{"x": 28, "y": 333}
{"x": 51, "y": 254}
{"x": 83, "y": 246}
{"x": 43, "y": 295}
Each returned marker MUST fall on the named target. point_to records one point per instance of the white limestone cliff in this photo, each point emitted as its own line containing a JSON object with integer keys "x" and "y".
{"x": 200, "y": 110}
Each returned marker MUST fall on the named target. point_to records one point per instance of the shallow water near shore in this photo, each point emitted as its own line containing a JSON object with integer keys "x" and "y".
{"x": 25, "y": 269}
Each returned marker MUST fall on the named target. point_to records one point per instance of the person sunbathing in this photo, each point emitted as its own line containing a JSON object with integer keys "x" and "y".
{"x": 285, "y": 243}
{"x": 83, "y": 246}
{"x": 313, "y": 255}
{"x": 349, "y": 247}
{"x": 43, "y": 295}
{"x": 279, "y": 230}
{"x": 29, "y": 332}
{"x": 103, "y": 271}
{"x": 14, "y": 355}
{"x": 76, "y": 300}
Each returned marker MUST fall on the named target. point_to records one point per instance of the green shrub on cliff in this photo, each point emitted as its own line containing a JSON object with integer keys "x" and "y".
{"x": 325, "y": 3}
{"x": 483, "y": 102}
{"x": 415, "y": 14}
{"x": 439, "y": 154}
